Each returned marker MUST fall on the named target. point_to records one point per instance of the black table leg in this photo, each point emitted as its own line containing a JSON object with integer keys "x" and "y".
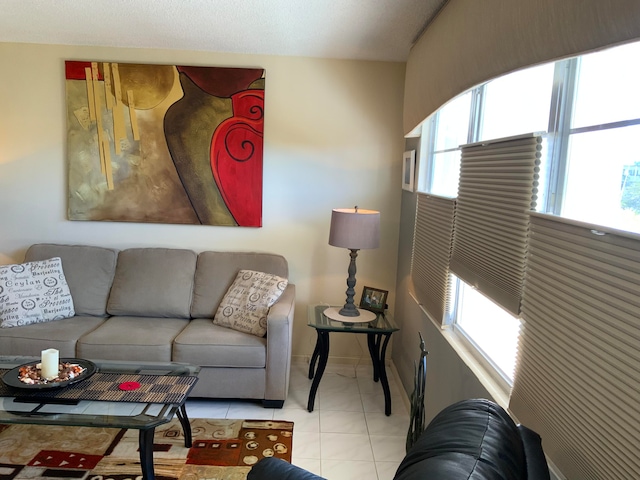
{"x": 383, "y": 376}
{"x": 186, "y": 425}
{"x": 323, "y": 347}
{"x": 146, "y": 453}
{"x": 314, "y": 357}
{"x": 378, "y": 350}
{"x": 373, "y": 342}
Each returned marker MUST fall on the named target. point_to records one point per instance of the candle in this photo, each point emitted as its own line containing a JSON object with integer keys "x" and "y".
{"x": 50, "y": 363}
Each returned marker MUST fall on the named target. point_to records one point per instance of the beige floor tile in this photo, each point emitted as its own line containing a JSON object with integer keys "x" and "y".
{"x": 345, "y": 446}
{"x": 348, "y": 470}
{"x": 342, "y": 422}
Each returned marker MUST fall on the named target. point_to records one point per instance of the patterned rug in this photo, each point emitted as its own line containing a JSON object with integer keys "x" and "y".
{"x": 222, "y": 450}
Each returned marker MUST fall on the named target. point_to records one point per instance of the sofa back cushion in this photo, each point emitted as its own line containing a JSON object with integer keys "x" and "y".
{"x": 88, "y": 270}
{"x": 216, "y": 271}
{"x": 153, "y": 282}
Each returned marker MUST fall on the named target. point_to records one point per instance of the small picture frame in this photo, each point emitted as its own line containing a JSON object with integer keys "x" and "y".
{"x": 408, "y": 170}
{"x": 374, "y": 299}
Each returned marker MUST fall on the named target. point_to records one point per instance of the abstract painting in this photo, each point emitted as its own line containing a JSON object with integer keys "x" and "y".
{"x": 165, "y": 143}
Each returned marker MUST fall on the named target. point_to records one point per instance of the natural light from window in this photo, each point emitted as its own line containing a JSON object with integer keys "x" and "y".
{"x": 602, "y": 184}
{"x": 605, "y": 196}
{"x": 607, "y": 89}
{"x": 517, "y": 103}
{"x": 491, "y": 329}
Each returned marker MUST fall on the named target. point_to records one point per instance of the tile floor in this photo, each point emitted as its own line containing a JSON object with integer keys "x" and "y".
{"x": 347, "y": 436}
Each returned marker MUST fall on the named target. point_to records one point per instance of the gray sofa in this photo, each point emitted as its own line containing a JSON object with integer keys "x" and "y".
{"x": 157, "y": 304}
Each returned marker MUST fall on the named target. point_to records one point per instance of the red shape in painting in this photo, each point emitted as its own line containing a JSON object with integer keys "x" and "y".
{"x": 74, "y": 70}
{"x": 236, "y": 158}
{"x": 222, "y": 82}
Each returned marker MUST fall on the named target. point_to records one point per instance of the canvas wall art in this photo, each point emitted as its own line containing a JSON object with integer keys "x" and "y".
{"x": 165, "y": 143}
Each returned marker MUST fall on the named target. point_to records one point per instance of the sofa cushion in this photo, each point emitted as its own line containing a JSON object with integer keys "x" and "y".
{"x": 216, "y": 271}
{"x": 212, "y": 346}
{"x": 143, "y": 339}
{"x": 34, "y": 292}
{"x": 153, "y": 282}
{"x": 63, "y": 335}
{"x": 89, "y": 272}
{"x": 246, "y": 304}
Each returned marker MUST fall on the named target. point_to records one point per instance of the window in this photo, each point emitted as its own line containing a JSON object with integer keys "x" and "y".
{"x": 605, "y": 122}
{"x": 517, "y": 103}
{"x": 496, "y": 336}
{"x": 607, "y": 196}
{"x": 448, "y": 130}
{"x": 589, "y": 111}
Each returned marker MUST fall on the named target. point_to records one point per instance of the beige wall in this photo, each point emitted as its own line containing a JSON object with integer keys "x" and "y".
{"x": 333, "y": 138}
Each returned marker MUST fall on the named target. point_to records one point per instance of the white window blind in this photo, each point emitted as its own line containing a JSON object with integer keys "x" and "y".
{"x": 431, "y": 252}
{"x": 578, "y": 373}
{"x": 497, "y": 190}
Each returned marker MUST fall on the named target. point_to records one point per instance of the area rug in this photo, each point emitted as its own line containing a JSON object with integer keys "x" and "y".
{"x": 221, "y": 450}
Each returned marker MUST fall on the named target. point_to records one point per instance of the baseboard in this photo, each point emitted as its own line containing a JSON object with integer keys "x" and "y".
{"x": 333, "y": 360}
{"x": 403, "y": 393}
{"x": 554, "y": 473}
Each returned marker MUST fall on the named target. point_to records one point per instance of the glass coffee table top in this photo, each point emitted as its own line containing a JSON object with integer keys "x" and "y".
{"x": 115, "y": 414}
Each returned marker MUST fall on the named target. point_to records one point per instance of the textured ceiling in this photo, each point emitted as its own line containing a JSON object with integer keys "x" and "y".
{"x": 350, "y": 29}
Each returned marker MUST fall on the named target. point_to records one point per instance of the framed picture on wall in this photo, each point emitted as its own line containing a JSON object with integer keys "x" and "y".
{"x": 408, "y": 170}
{"x": 374, "y": 299}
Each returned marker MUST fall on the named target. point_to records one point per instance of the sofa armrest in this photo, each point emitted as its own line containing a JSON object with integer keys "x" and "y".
{"x": 537, "y": 468}
{"x": 279, "y": 339}
{"x": 271, "y": 468}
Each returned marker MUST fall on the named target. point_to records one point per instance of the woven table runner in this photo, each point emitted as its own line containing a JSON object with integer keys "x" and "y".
{"x": 105, "y": 387}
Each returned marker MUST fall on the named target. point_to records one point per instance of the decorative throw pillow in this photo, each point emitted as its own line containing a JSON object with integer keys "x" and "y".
{"x": 246, "y": 304}
{"x": 34, "y": 292}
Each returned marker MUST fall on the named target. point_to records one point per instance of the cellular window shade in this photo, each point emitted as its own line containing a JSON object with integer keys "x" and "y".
{"x": 431, "y": 252}
{"x": 577, "y": 380}
{"x": 497, "y": 190}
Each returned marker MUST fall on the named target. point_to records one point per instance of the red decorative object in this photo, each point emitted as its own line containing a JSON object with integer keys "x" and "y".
{"x": 126, "y": 386}
{"x": 236, "y": 158}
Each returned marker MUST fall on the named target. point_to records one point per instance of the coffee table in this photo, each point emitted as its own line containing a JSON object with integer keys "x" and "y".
{"x": 141, "y": 415}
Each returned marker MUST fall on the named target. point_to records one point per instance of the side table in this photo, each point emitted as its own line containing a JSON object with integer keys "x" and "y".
{"x": 378, "y": 333}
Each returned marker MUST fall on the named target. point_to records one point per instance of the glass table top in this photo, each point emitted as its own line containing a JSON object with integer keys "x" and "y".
{"x": 383, "y": 323}
{"x": 93, "y": 412}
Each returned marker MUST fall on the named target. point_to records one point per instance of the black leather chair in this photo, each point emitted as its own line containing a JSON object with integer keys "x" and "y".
{"x": 471, "y": 440}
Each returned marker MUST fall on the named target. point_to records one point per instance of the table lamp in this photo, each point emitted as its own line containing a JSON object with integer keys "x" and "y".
{"x": 355, "y": 229}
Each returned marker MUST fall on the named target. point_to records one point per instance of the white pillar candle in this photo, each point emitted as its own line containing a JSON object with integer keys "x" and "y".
{"x": 50, "y": 361}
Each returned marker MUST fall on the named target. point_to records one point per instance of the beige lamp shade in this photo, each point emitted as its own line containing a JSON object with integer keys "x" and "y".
{"x": 355, "y": 228}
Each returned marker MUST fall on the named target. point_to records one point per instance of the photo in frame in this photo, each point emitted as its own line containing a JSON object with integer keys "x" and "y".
{"x": 374, "y": 299}
{"x": 408, "y": 170}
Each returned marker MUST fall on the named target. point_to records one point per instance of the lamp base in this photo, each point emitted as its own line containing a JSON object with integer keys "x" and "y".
{"x": 365, "y": 315}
